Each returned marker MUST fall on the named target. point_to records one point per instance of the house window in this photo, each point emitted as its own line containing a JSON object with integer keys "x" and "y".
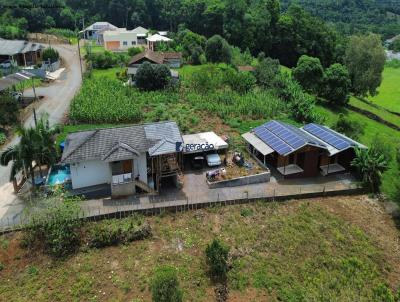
{"x": 133, "y": 42}
{"x": 125, "y": 43}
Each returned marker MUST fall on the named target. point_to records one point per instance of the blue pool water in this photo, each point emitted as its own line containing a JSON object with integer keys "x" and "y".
{"x": 59, "y": 175}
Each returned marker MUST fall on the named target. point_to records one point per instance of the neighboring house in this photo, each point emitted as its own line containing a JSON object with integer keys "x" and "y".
{"x": 154, "y": 40}
{"x": 125, "y": 158}
{"x": 92, "y": 32}
{"x": 171, "y": 59}
{"x": 24, "y": 53}
{"x": 141, "y": 34}
{"x": 121, "y": 39}
{"x": 305, "y": 152}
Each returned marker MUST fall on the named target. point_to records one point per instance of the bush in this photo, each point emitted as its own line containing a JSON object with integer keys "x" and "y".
{"x": 3, "y": 138}
{"x": 107, "y": 59}
{"x": 241, "y": 82}
{"x": 165, "y": 285}
{"x": 152, "y": 77}
{"x": 114, "y": 231}
{"x": 217, "y": 259}
{"x": 382, "y": 293}
{"x": 57, "y": 228}
{"x": 351, "y": 128}
{"x": 132, "y": 51}
{"x": 266, "y": 72}
{"x": 218, "y": 50}
{"x": 50, "y": 54}
{"x": 302, "y": 105}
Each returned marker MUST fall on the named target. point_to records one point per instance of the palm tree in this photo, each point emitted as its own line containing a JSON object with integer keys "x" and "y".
{"x": 21, "y": 154}
{"x": 36, "y": 144}
{"x": 45, "y": 150}
{"x": 370, "y": 165}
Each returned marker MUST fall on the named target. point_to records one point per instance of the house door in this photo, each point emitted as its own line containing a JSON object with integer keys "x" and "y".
{"x": 127, "y": 166}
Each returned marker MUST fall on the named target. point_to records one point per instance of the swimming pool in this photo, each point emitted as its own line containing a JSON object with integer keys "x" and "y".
{"x": 59, "y": 175}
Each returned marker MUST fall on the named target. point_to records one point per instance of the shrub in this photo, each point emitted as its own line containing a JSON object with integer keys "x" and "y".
{"x": 114, "y": 231}
{"x": 3, "y": 138}
{"x": 370, "y": 165}
{"x": 132, "y": 51}
{"x": 351, "y": 128}
{"x": 165, "y": 285}
{"x": 382, "y": 293}
{"x": 241, "y": 82}
{"x": 218, "y": 50}
{"x": 50, "y": 54}
{"x": 56, "y": 228}
{"x": 107, "y": 59}
{"x": 197, "y": 57}
{"x": 266, "y": 72}
{"x": 152, "y": 77}
{"x": 217, "y": 259}
{"x": 61, "y": 32}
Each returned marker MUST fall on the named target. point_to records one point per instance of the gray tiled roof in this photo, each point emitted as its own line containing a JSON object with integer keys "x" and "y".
{"x": 114, "y": 144}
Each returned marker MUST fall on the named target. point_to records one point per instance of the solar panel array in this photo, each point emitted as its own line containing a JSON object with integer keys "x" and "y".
{"x": 279, "y": 137}
{"x": 327, "y": 136}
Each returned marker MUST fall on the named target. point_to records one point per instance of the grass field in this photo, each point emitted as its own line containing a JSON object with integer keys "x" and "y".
{"x": 312, "y": 250}
{"x": 389, "y": 92}
{"x": 382, "y": 113}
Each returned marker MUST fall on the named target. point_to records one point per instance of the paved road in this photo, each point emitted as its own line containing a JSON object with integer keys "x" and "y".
{"x": 57, "y": 98}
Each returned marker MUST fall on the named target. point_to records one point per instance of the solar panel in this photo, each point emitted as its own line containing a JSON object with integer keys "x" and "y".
{"x": 327, "y": 136}
{"x": 290, "y": 137}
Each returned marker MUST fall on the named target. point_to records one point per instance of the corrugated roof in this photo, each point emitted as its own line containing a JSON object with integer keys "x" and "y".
{"x": 119, "y": 143}
{"x": 253, "y": 140}
{"x": 12, "y": 47}
{"x": 140, "y": 30}
{"x": 100, "y": 26}
{"x": 158, "y": 38}
{"x": 13, "y": 79}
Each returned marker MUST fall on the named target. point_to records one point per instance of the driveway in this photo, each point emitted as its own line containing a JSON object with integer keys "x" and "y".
{"x": 56, "y": 101}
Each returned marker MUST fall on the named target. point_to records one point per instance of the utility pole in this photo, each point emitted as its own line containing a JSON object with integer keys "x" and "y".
{"x": 80, "y": 58}
{"x": 35, "y": 100}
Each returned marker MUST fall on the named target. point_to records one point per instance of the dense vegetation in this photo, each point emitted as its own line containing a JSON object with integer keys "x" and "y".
{"x": 257, "y": 25}
{"x": 352, "y": 16}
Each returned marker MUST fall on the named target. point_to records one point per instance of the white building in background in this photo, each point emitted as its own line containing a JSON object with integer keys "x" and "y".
{"x": 121, "y": 39}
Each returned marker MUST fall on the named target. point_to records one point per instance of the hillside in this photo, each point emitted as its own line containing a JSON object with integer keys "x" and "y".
{"x": 330, "y": 249}
{"x": 351, "y": 16}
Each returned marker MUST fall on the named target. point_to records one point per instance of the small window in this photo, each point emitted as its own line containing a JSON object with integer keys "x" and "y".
{"x": 125, "y": 43}
{"x": 133, "y": 42}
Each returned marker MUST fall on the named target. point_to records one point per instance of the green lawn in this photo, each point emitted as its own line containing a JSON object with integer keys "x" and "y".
{"x": 389, "y": 92}
{"x": 382, "y": 113}
{"x": 312, "y": 250}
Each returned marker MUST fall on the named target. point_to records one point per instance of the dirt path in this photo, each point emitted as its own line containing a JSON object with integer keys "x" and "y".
{"x": 57, "y": 98}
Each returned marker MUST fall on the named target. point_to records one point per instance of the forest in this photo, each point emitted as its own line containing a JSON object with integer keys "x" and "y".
{"x": 245, "y": 23}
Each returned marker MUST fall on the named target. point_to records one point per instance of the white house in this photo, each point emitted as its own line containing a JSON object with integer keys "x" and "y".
{"x": 126, "y": 158}
{"x": 121, "y": 39}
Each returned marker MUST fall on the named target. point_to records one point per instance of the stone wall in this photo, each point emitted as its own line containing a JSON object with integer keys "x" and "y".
{"x": 240, "y": 181}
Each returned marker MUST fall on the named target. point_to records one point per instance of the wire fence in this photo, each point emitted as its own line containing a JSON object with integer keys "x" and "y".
{"x": 92, "y": 210}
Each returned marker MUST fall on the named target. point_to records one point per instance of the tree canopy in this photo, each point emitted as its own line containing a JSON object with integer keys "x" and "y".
{"x": 365, "y": 59}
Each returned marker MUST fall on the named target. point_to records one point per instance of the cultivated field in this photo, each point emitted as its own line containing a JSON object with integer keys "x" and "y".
{"x": 331, "y": 249}
{"x": 389, "y": 92}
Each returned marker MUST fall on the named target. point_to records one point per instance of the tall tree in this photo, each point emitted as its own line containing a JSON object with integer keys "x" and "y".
{"x": 336, "y": 84}
{"x": 365, "y": 59}
{"x": 309, "y": 73}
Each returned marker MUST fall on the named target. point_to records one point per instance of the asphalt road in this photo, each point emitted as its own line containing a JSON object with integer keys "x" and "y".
{"x": 56, "y": 101}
